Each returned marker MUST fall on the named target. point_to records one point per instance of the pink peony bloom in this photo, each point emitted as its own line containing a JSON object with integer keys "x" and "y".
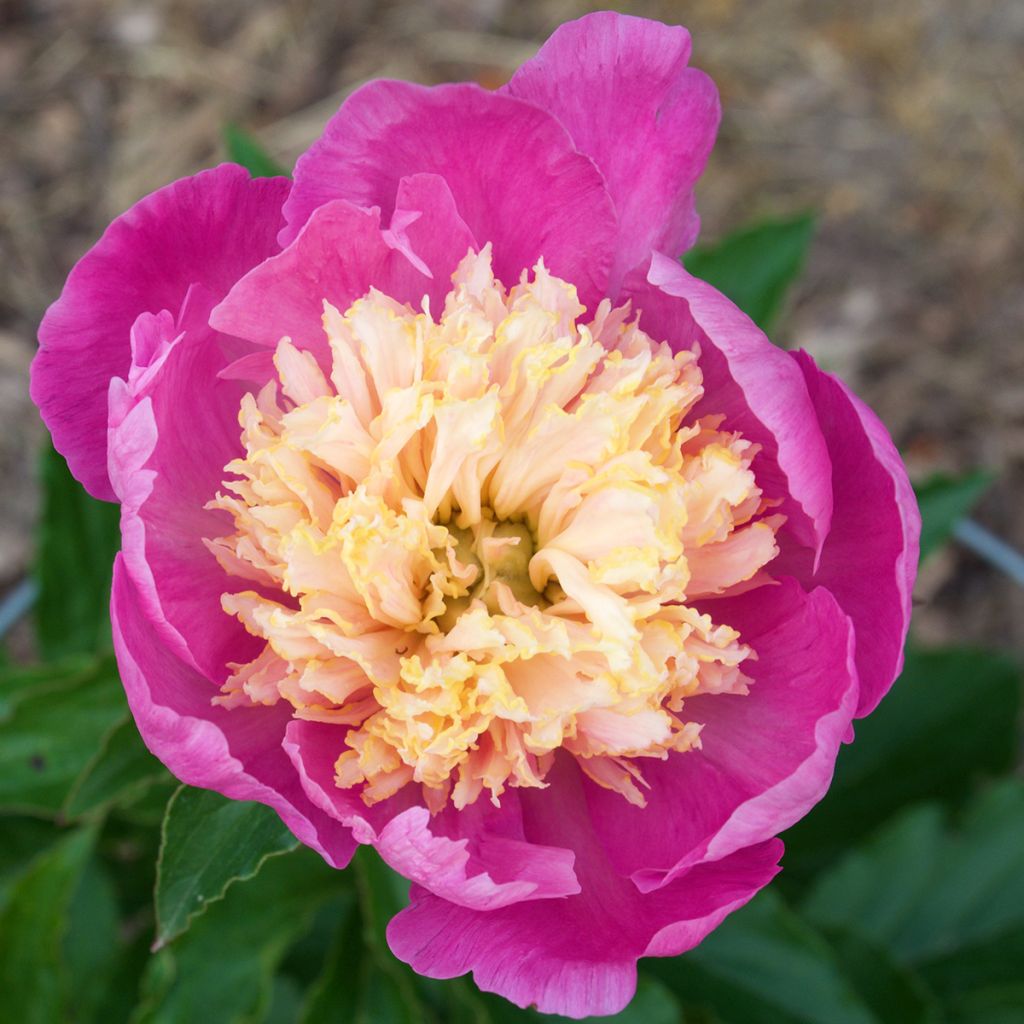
{"x": 458, "y": 519}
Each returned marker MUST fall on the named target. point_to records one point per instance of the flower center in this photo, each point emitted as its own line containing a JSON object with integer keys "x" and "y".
{"x": 479, "y": 539}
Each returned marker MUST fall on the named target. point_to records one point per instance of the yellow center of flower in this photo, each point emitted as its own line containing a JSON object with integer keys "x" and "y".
{"x": 484, "y": 534}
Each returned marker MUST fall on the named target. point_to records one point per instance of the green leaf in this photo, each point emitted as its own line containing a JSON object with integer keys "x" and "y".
{"x": 208, "y": 843}
{"x": 120, "y": 770}
{"x": 756, "y": 266}
{"x": 33, "y": 975}
{"x": 944, "y": 501}
{"x": 23, "y": 838}
{"x": 892, "y": 992}
{"x": 18, "y": 682}
{"x": 51, "y": 731}
{"x": 222, "y": 969}
{"x": 335, "y": 995}
{"x": 764, "y": 966}
{"x": 948, "y": 902}
{"x": 948, "y": 723}
{"x": 1002, "y": 1004}
{"x": 77, "y": 539}
{"x": 92, "y": 945}
{"x": 245, "y": 150}
{"x": 391, "y": 987}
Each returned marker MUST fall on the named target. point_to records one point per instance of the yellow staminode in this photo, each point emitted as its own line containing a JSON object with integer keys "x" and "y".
{"x": 487, "y": 532}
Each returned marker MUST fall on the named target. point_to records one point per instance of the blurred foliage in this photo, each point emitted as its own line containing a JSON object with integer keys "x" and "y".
{"x": 756, "y": 266}
{"x": 128, "y": 899}
{"x": 945, "y": 500}
{"x": 75, "y": 547}
{"x": 244, "y": 149}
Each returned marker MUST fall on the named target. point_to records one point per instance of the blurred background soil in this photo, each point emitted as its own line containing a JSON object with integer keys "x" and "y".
{"x": 902, "y": 122}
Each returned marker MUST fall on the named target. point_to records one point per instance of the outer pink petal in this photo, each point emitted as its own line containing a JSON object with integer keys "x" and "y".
{"x": 575, "y": 956}
{"x": 754, "y": 384}
{"x": 237, "y": 753}
{"x": 870, "y": 558}
{"x": 339, "y": 255}
{"x": 476, "y": 858}
{"x": 516, "y": 177}
{"x": 173, "y": 428}
{"x": 621, "y": 87}
{"x": 208, "y": 229}
{"x": 766, "y": 757}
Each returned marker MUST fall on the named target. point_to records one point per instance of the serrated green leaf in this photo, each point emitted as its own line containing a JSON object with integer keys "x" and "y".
{"x": 52, "y": 732}
{"x": 208, "y": 843}
{"x": 120, "y": 770}
{"x": 245, "y": 150}
{"x": 756, "y": 266}
{"x": 949, "y": 722}
{"x": 33, "y": 976}
{"x": 222, "y": 968}
{"x": 77, "y": 539}
{"x": 764, "y": 966}
{"x": 947, "y": 901}
{"x": 944, "y": 501}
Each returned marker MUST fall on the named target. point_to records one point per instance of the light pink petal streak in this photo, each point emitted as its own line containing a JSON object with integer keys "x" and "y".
{"x": 173, "y": 428}
{"x": 208, "y": 230}
{"x": 656, "y": 124}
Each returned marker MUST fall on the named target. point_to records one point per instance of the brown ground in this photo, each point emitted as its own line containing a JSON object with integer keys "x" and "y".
{"x": 901, "y": 121}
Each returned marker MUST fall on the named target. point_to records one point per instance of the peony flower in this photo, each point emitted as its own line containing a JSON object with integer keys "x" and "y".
{"x": 459, "y": 520}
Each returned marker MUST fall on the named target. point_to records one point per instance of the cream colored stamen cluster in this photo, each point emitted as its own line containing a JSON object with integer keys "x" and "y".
{"x": 478, "y": 539}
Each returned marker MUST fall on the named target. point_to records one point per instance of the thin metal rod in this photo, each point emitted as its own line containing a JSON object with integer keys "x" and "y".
{"x": 993, "y": 550}
{"x": 16, "y": 604}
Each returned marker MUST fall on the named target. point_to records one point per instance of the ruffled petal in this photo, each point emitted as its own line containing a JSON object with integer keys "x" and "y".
{"x": 173, "y": 428}
{"x": 516, "y": 177}
{"x": 477, "y": 858}
{"x": 755, "y": 385}
{"x": 339, "y": 255}
{"x": 575, "y": 956}
{"x": 237, "y": 753}
{"x": 656, "y": 128}
{"x": 208, "y": 230}
{"x": 869, "y": 561}
{"x": 766, "y": 757}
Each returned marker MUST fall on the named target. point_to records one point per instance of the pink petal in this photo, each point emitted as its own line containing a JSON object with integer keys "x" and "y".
{"x": 869, "y": 561}
{"x": 208, "y": 229}
{"x": 575, "y": 956}
{"x": 173, "y": 428}
{"x": 752, "y": 383}
{"x": 517, "y": 179}
{"x": 237, "y": 753}
{"x": 476, "y": 858}
{"x": 339, "y": 255}
{"x": 766, "y": 757}
{"x": 621, "y": 87}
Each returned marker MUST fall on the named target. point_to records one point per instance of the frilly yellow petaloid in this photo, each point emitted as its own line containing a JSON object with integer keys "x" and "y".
{"x": 487, "y": 532}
